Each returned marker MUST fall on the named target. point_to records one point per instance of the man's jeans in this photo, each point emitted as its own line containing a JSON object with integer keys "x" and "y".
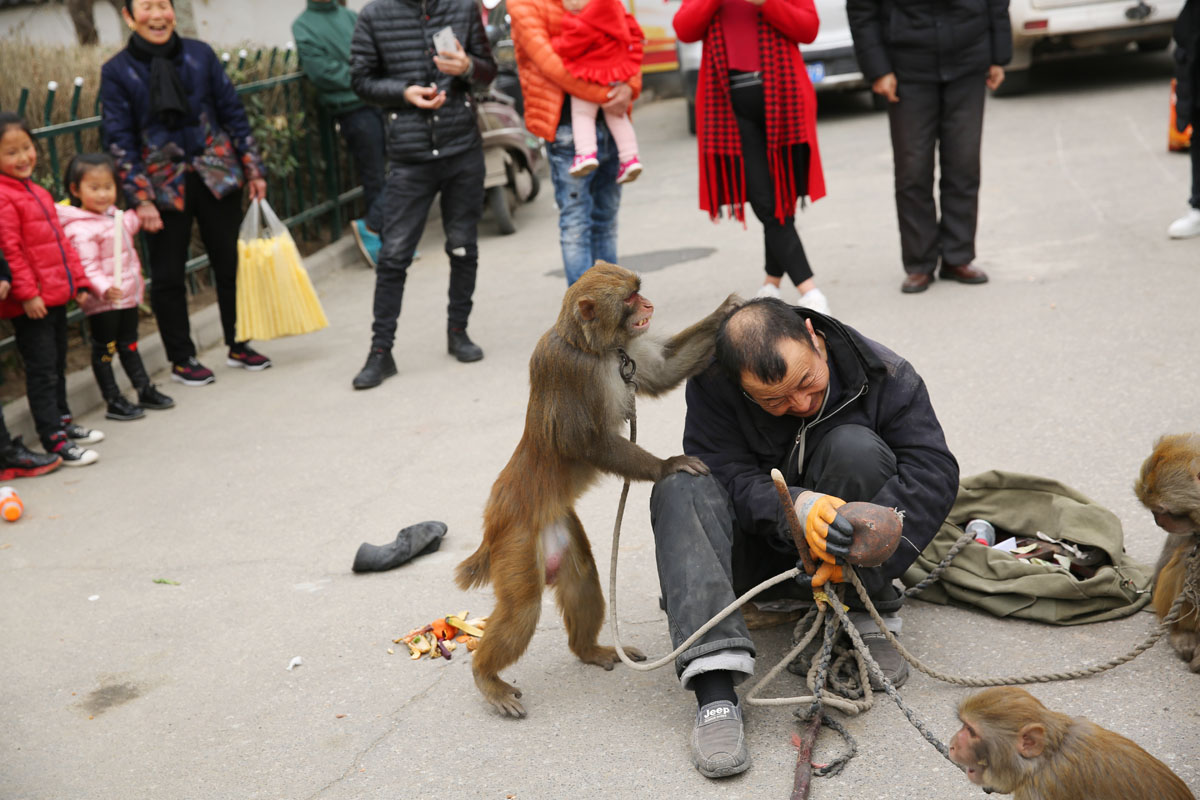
{"x": 410, "y": 190}
{"x": 363, "y": 131}
{"x": 587, "y": 206}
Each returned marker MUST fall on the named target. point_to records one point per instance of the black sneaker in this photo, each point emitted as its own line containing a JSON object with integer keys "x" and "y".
{"x": 461, "y": 347}
{"x": 192, "y": 373}
{"x": 18, "y": 461}
{"x": 379, "y": 367}
{"x": 152, "y": 398}
{"x": 241, "y": 355}
{"x": 72, "y": 454}
{"x": 81, "y": 434}
{"x": 122, "y": 409}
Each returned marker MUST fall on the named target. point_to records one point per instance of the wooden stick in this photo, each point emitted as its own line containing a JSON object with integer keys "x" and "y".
{"x": 118, "y": 243}
{"x": 789, "y": 510}
{"x": 804, "y": 744}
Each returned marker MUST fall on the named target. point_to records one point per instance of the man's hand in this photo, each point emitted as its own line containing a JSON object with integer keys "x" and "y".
{"x": 826, "y": 573}
{"x": 886, "y": 86}
{"x": 995, "y": 77}
{"x": 258, "y": 189}
{"x": 828, "y": 533}
{"x": 35, "y": 308}
{"x": 455, "y": 63}
{"x": 427, "y": 97}
{"x": 149, "y": 218}
{"x": 619, "y": 98}
{"x": 112, "y": 294}
{"x": 5, "y": 288}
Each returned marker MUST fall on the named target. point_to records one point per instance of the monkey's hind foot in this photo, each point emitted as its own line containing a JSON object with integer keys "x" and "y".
{"x": 607, "y": 656}
{"x": 503, "y": 696}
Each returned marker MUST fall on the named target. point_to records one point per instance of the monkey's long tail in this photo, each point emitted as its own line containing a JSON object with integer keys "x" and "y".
{"x": 476, "y": 570}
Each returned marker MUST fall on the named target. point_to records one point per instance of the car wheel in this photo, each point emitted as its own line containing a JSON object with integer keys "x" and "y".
{"x": 1015, "y": 82}
{"x": 501, "y": 201}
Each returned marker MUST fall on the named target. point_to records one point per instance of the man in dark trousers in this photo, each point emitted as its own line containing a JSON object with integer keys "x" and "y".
{"x": 844, "y": 419}
{"x": 932, "y": 61}
{"x": 433, "y": 144}
{"x": 322, "y": 35}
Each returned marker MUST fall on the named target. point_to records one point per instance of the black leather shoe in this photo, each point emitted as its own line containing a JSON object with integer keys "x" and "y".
{"x": 378, "y": 368}
{"x": 964, "y": 274}
{"x": 916, "y": 282}
{"x": 461, "y": 347}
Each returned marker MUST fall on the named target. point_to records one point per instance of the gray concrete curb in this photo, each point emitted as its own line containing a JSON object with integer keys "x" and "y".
{"x": 83, "y": 395}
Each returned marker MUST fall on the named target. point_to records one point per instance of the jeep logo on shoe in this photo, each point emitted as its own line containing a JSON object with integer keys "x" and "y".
{"x": 713, "y": 713}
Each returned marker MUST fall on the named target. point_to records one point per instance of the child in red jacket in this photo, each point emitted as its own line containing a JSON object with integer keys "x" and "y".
{"x": 600, "y": 42}
{"x": 46, "y": 274}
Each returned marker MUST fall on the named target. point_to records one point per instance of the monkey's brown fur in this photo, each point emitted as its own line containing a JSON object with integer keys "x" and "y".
{"x": 578, "y": 404}
{"x": 1011, "y": 743}
{"x": 1169, "y": 485}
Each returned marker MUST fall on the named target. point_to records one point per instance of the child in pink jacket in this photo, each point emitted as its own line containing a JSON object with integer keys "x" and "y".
{"x": 89, "y": 222}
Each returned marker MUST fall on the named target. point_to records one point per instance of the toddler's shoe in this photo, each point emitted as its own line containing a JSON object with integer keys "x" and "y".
{"x": 72, "y": 455}
{"x": 121, "y": 409}
{"x": 150, "y": 397}
{"x": 79, "y": 433}
{"x": 584, "y": 164}
{"x": 241, "y": 355}
{"x": 629, "y": 170}
{"x": 192, "y": 373}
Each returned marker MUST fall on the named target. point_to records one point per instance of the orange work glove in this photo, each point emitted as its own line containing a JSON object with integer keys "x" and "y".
{"x": 828, "y": 534}
{"x": 827, "y": 572}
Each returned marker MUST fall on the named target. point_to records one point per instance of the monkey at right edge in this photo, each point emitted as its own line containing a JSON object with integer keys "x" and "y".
{"x": 581, "y": 375}
{"x": 1169, "y": 486}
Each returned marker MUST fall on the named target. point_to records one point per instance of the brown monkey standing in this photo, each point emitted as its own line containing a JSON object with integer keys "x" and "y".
{"x": 1169, "y": 486}
{"x": 1011, "y": 743}
{"x": 578, "y": 405}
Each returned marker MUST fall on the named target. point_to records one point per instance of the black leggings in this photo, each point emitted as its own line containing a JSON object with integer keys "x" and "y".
{"x": 43, "y": 347}
{"x": 784, "y": 252}
{"x": 113, "y": 331}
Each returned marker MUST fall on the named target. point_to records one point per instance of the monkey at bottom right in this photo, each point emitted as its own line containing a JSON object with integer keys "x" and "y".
{"x": 1011, "y": 743}
{"x": 1169, "y": 486}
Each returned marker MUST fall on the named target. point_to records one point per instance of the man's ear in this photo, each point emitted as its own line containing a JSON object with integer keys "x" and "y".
{"x": 587, "y": 308}
{"x": 1031, "y": 740}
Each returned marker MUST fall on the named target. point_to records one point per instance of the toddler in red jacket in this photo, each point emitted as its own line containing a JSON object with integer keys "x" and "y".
{"x": 46, "y": 275}
{"x": 600, "y": 42}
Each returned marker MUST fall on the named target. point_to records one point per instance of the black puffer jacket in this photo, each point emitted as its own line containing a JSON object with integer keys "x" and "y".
{"x": 392, "y": 49}
{"x": 1187, "y": 64}
{"x": 869, "y": 385}
{"x": 929, "y": 41}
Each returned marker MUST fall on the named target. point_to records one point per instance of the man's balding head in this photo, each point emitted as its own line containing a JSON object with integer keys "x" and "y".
{"x": 749, "y": 339}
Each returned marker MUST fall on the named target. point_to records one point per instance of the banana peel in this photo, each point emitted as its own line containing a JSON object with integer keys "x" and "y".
{"x": 456, "y": 621}
{"x": 440, "y": 637}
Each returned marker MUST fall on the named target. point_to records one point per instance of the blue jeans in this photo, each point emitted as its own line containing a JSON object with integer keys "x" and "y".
{"x": 587, "y": 206}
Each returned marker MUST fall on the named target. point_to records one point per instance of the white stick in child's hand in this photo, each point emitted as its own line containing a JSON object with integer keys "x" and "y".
{"x": 118, "y": 240}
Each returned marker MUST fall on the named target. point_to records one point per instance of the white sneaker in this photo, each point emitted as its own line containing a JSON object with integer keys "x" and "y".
{"x": 1186, "y": 226}
{"x": 814, "y": 299}
{"x": 768, "y": 290}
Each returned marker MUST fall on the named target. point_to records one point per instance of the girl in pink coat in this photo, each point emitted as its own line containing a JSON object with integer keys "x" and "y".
{"x": 90, "y": 224}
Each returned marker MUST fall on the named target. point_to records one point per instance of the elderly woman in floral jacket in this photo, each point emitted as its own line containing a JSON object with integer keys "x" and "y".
{"x": 175, "y": 126}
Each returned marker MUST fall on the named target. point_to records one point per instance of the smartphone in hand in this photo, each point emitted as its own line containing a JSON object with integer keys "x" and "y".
{"x": 444, "y": 41}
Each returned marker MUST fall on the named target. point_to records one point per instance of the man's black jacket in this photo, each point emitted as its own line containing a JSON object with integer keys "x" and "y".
{"x": 392, "y": 49}
{"x": 869, "y": 386}
{"x": 929, "y": 41}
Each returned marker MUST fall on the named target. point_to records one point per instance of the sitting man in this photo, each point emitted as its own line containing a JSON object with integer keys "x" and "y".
{"x": 844, "y": 419}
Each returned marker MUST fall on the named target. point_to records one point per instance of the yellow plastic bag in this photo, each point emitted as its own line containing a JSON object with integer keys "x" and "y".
{"x": 274, "y": 294}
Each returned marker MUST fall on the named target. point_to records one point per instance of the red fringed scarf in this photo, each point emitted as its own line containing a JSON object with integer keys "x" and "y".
{"x": 721, "y": 153}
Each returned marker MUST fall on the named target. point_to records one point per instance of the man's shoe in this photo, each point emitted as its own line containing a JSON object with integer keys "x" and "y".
{"x": 368, "y": 242}
{"x": 81, "y": 434}
{"x": 243, "y": 356}
{"x": 461, "y": 347}
{"x": 72, "y": 455}
{"x": 192, "y": 373}
{"x": 915, "y": 282}
{"x": 1186, "y": 226}
{"x": 890, "y": 662}
{"x": 964, "y": 274}
{"x": 718, "y": 740}
{"x": 121, "y": 409}
{"x": 150, "y": 397}
{"x": 18, "y": 461}
{"x": 378, "y": 368}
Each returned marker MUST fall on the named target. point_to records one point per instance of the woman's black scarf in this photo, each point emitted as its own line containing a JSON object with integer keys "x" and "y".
{"x": 168, "y": 97}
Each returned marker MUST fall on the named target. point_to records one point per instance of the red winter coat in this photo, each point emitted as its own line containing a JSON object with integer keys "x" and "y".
{"x": 42, "y": 260}
{"x": 601, "y": 44}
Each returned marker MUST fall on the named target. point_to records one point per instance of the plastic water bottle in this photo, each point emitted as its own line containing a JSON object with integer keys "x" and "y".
{"x": 982, "y": 531}
{"x": 10, "y": 504}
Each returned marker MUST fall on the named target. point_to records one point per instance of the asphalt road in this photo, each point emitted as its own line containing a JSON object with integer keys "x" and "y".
{"x": 254, "y": 493}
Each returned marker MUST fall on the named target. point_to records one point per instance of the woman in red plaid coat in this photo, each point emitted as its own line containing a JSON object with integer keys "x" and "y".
{"x": 756, "y": 124}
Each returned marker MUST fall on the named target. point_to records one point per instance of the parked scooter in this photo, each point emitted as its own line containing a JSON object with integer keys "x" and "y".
{"x": 513, "y": 156}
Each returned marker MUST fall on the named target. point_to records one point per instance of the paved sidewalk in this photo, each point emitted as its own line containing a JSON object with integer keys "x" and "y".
{"x": 254, "y": 493}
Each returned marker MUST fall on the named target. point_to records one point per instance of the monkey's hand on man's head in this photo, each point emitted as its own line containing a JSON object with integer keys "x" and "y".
{"x": 731, "y": 304}
{"x": 689, "y": 464}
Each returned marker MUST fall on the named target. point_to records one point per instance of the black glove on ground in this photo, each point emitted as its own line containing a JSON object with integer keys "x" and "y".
{"x": 415, "y": 540}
